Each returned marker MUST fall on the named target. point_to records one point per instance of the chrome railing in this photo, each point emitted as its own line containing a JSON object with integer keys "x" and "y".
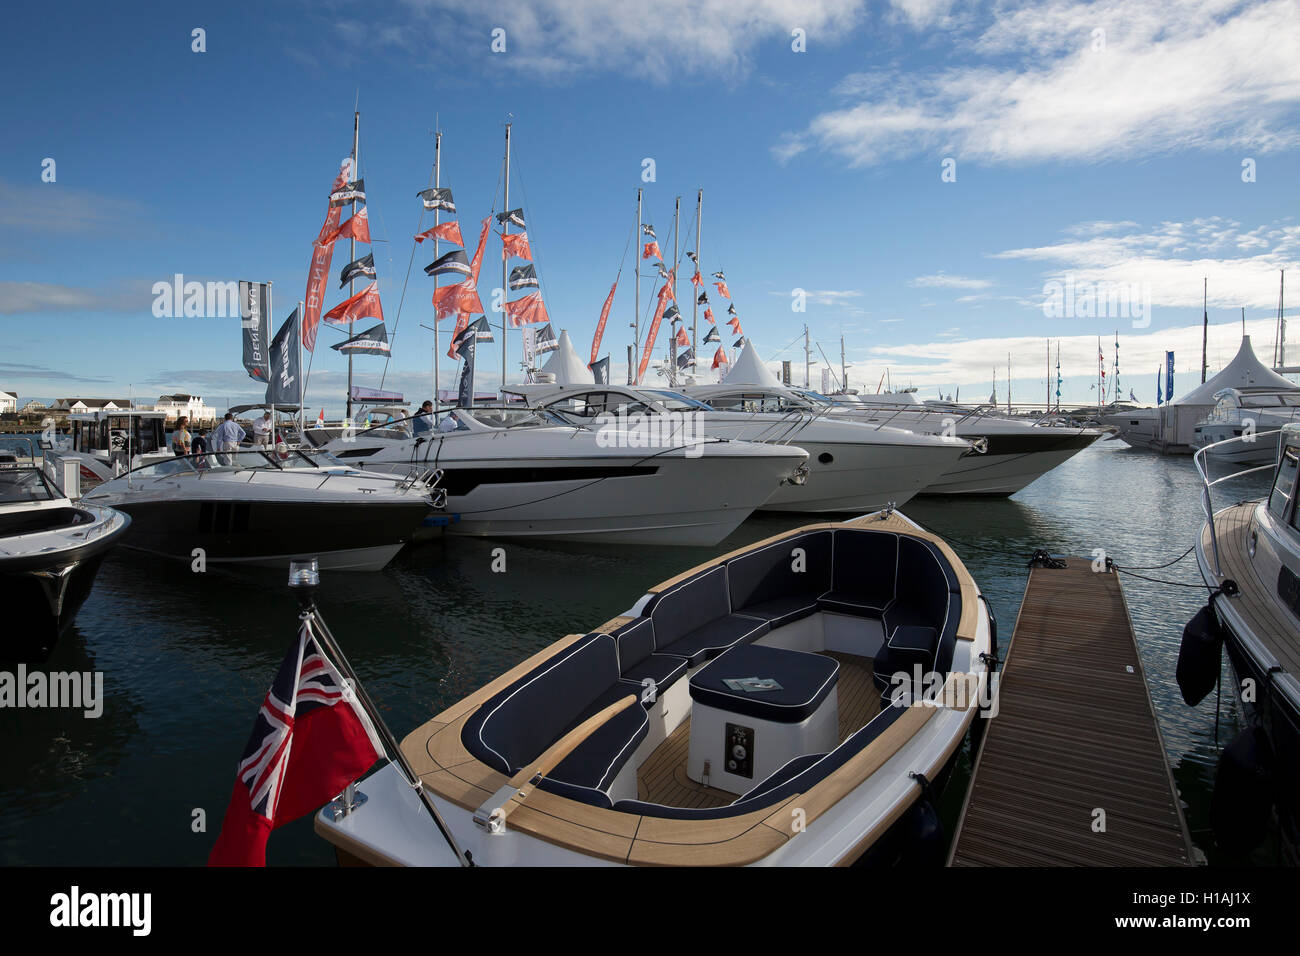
{"x": 1207, "y": 503}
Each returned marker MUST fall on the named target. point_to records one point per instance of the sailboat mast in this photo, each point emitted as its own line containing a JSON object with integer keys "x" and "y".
{"x": 844, "y": 369}
{"x": 1008, "y": 383}
{"x": 505, "y": 229}
{"x": 1205, "y": 324}
{"x": 352, "y": 243}
{"x": 636, "y": 296}
{"x": 695, "y": 308}
{"x": 807, "y": 359}
{"x": 437, "y": 219}
{"x": 672, "y": 327}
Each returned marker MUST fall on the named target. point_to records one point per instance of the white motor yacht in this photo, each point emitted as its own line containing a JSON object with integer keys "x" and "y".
{"x": 1256, "y": 415}
{"x": 518, "y": 472}
{"x": 852, "y": 466}
{"x": 267, "y": 508}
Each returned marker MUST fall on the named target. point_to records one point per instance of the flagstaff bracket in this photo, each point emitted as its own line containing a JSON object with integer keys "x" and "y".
{"x": 346, "y": 802}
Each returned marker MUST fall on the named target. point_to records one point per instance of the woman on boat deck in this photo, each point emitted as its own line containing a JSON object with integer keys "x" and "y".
{"x": 181, "y": 437}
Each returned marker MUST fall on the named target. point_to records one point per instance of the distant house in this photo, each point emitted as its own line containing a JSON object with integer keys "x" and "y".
{"x": 33, "y": 408}
{"x": 181, "y": 403}
{"x": 8, "y": 403}
{"x": 75, "y": 405}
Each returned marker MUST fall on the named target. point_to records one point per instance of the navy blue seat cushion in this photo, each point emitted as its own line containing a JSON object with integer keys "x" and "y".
{"x": 847, "y": 602}
{"x": 714, "y": 637}
{"x": 908, "y": 647}
{"x": 517, "y": 724}
{"x": 864, "y": 569}
{"x": 928, "y": 594}
{"x": 806, "y": 680}
{"x": 688, "y": 606}
{"x": 636, "y": 642}
{"x": 597, "y": 760}
{"x": 663, "y": 669}
{"x": 596, "y": 798}
{"x": 782, "y": 776}
{"x": 776, "y": 573}
{"x": 798, "y": 781}
{"x": 783, "y": 610}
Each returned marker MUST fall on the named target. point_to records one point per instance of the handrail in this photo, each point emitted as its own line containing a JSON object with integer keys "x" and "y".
{"x": 1207, "y": 503}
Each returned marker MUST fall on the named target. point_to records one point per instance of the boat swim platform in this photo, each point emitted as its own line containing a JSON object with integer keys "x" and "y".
{"x": 1072, "y": 771}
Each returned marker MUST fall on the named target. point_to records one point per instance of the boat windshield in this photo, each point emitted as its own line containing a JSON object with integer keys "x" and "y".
{"x": 503, "y": 417}
{"x": 1270, "y": 401}
{"x": 24, "y": 484}
{"x": 216, "y": 461}
{"x": 758, "y": 402}
{"x": 675, "y": 401}
{"x": 1284, "y": 484}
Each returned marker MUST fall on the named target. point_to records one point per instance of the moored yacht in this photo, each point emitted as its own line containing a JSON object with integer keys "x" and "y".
{"x": 796, "y": 702}
{"x": 519, "y": 472}
{"x": 1256, "y": 415}
{"x": 50, "y": 552}
{"x": 267, "y": 508}
{"x": 1002, "y": 455}
{"x": 851, "y": 466}
{"x": 1249, "y": 556}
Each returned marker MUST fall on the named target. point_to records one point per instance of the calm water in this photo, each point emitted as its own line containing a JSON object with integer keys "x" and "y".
{"x": 188, "y": 658}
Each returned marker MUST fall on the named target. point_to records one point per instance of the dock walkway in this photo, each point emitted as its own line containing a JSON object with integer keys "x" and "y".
{"x": 1072, "y": 771}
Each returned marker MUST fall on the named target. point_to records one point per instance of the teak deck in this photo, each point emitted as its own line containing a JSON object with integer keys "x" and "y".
{"x": 662, "y": 778}
{"x": 1266, "y": 618}
{"x": 1075, "y": 736}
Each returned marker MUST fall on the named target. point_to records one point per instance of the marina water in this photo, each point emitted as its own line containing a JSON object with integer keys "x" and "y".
{"x": 187, "y": 658}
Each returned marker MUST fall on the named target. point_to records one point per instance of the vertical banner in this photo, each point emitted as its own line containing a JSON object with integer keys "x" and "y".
{"x": 600, "y": 371}
{"x": 321, "y": 254}
{"x": 665, "y": 293}
{"x": 282, "y": 389}
{"x": 826, "y": 381}
{"x": 1169, "y": 376}
{"x": 254, "y": 305}
{"x": 785, "y": 372}
{"x": 468, "y": 346}
{"x": 600, "y": 325}
{"x": 1160, "y": 392}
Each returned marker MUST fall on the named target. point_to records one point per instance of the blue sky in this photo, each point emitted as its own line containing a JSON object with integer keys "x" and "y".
{"x": 1096, "y": 143}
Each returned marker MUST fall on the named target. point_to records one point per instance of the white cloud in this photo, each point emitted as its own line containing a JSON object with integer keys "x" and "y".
{"x": 1186, "y": 74}
{"x": 941, "y": 280}
{"x": 971, "y": 362}
{"x": 1172, "y": 258}
{"x": 658, "y": 41}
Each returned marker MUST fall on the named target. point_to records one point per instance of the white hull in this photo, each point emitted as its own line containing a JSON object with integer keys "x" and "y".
{"x": 675, "y": 499}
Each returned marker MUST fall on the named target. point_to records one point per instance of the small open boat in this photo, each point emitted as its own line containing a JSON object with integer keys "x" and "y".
{"x": 50, "y": 553}
{"x": 795, "y": 702}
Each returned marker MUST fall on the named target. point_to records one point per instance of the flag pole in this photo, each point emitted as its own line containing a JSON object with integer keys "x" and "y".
{"x": 437, "y": 221}
{"x": 505, "y": 229}
{"x": 321, "y": 630}
{"x": 302, "y": 421}
{"x": 270, "y": 326}
{"x": 352, "y": 247}
{"x": 636, "y": 295}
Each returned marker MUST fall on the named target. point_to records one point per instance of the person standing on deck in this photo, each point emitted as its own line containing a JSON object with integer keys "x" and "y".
{"x": 181, "y": 438}
{"x": 227, "y": 437}
{"x": 262, "y": 430}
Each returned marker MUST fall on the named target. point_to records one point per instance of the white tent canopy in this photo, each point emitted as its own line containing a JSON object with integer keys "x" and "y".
{"x": 748, "y": 369}
{"x": 566, "y": 366}
{"x": 1244, "y": 371}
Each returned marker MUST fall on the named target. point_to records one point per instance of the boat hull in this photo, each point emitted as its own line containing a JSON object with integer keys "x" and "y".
{"x": 1009, "y": 465}
{"x": 272, "y": 533}
{"x": 862, "y": 477}
{"x": 42, "y": 593}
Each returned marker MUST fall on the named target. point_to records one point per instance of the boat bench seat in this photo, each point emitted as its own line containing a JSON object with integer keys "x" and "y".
{"x": 693, "y": 619}
{"x": 921, "y": 621}
{"x": 638, "y": 662}
{"x": 517, "y": 725}
{"x": 797, "y": 776}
